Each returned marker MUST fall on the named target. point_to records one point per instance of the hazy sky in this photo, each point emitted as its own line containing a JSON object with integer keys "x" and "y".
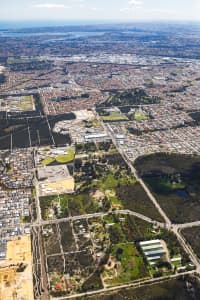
{"x": 129, "y": 10}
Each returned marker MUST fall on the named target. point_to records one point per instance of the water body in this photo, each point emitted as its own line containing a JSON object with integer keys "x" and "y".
{"x": 11, "y": 33}
{"x": 74, "y": 36}
{"x": 4, "y": 25}
{"x": 182, "y": 193}
{"x": 63, "y": 35}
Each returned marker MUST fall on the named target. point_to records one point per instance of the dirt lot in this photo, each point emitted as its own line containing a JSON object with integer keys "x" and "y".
{"x": 16, "y": 283}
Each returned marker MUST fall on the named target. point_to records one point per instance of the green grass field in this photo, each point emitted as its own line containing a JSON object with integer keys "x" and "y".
{"x": 26, "y": 103}
{"x": 131, "y": 267}
{"x": 47, "y": 161}
{"x": 12, "y": 60}
{"x": 114, "y": 118}
{"x": 65, "y": 158}
{"x": 61, "y": 159}
{"x": 110, "y": 182}
{"x": 140, "y": 116}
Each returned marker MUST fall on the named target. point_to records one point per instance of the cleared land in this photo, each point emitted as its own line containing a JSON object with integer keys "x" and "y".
{"x": 54, "y": 180}
{"x": 17, "y": 281}
{"x": 58, "y": 187}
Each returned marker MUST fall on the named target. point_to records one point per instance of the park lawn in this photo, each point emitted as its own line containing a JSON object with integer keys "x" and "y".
{"x": 65, "y": 158}
{"x": 12, "y": 60}
{"x": 110, "y": 182}
{"x": 25, "y": 107}
{"x": 140, "y": 116}
{"x": 112, "y": 118}
{"x": 24, "y": 78}
{"x": 27, "y": 98}
{"x": 47, "y": 161}
{"x": 132, "y": 265}
{"x": 26, "y": 103}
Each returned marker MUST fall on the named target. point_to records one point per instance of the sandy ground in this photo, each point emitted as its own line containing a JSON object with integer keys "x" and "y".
{"x": 57, "y": 187}
{"x": 13, "y": 284}
{"x": 98, "y": 195}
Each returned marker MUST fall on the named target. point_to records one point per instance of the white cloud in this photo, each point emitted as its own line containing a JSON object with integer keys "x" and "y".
{"x": 49, "y": 5}
{"x": 132, "y": 5}
{"x": 124, "y": 9}
{"x": 135, "y": 3}
{"x": 96, "y": 8}
{"x": 161, "y": 11}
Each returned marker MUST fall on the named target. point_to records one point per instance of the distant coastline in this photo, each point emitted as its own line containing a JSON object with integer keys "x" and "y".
{"x": 8, "y": 25}
{"x": 17, "y": 24}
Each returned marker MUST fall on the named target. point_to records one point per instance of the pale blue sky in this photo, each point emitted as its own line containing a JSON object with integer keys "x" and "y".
{"x": 127, "y": 10}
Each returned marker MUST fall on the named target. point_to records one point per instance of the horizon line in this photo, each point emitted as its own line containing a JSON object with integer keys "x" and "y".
{"x": 22, "y": 24}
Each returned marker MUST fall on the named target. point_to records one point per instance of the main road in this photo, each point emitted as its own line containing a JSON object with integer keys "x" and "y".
{"x": 39, "y": 223}
{"x": 129, "y": 163}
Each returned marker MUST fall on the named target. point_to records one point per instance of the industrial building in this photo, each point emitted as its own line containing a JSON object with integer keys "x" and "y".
{"x": 153, "y": 250}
